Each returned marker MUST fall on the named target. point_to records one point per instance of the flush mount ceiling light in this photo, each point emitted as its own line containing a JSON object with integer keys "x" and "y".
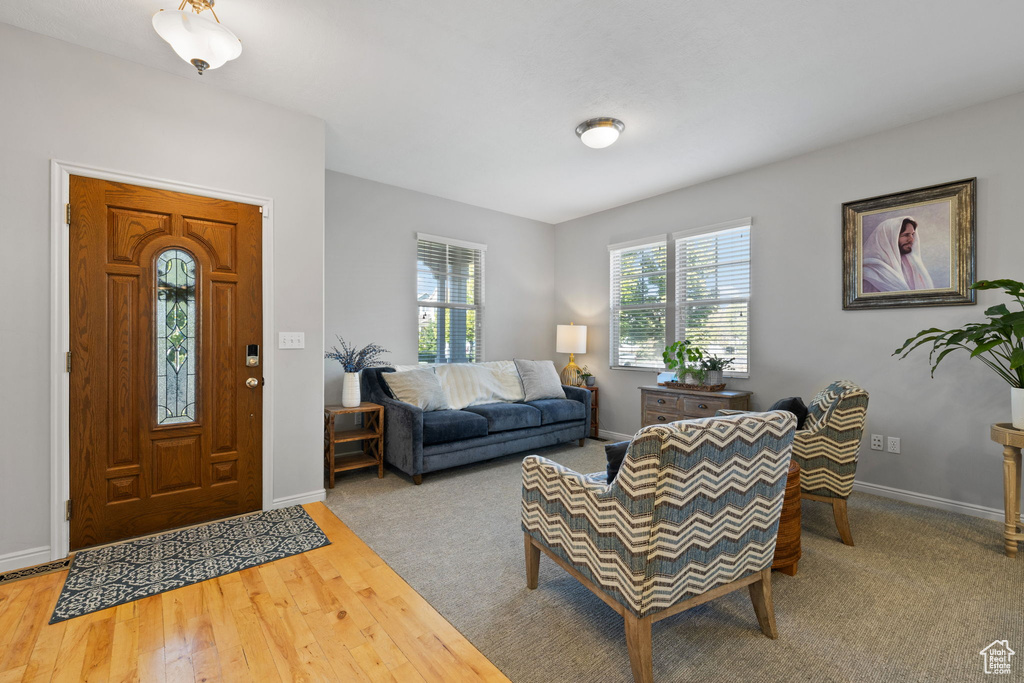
{"x": 204, "y": 43}
{"x": 599, "y": 133}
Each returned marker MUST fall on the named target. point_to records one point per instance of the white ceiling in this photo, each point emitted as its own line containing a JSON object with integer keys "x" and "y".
{"x": 477, "y": 101}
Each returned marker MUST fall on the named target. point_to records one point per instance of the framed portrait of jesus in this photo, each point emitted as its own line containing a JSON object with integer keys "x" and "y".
{"x": 913, "y": 248}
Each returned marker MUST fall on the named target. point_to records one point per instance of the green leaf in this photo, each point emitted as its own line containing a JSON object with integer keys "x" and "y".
{"x": 1001, "y": 309}
{"x": 1017, "y": 358}
{"x": 987, "y": 346}
{"x": 939, "y": 359}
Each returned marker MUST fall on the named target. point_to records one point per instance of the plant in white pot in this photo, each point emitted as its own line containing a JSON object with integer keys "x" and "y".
{"x": 998, "y": 343}
{"x": 685, "y": 358}
{"x": 354, "y": 361}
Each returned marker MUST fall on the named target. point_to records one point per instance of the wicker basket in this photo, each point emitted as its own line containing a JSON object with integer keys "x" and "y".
{"x": 692, "y": 387}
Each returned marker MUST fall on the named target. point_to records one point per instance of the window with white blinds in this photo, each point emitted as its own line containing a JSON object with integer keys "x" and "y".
{"x": 450, "y": 298}
{"x": 639, "y": 303}
{"x": 712, "y": 297}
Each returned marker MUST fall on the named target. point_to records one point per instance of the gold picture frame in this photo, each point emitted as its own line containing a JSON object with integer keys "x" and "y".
{"x": 913, "y": 248}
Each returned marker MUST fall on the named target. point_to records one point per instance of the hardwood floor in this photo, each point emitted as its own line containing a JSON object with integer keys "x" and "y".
{"x": 336, "y": 613}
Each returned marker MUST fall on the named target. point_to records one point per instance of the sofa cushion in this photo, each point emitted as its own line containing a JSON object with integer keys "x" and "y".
{"x": 540, "y": 379}
{"x": 441, "y": 426}
{"x": 504, "y": 416}
{"x": 419, "y": 387}
{"x": 558, "y": 410}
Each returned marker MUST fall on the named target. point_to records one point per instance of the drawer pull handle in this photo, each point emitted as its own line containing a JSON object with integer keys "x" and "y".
{"x": 661, "y": 418}
{"x": 661, "y": 400}
{"x": 702, "y": 406}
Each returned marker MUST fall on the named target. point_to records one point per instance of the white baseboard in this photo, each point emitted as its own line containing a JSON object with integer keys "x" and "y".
{"x": 614, "y": 436}
{"x": 317, "y": 496}
{"x": 930, "y": 501}
{"x": 24, "y": 558}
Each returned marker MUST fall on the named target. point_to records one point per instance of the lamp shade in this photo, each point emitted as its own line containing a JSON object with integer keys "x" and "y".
{"x": 202, "y": 42}
{"x": 571, "y": 339}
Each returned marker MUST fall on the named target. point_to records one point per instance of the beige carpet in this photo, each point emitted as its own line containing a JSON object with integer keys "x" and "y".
{"x": 916, "y": 600}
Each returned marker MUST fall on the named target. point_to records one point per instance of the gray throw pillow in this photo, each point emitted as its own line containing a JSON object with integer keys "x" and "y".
{"x": 540, "y": 379}
{"x": 420, "y": 387}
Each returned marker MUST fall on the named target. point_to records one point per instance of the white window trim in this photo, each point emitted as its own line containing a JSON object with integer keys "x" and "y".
{"x": 671, "y": 305}
{"x": 726, "y": 225}
{"x": 613, "y": 351}
{"x": 481, "y": 347}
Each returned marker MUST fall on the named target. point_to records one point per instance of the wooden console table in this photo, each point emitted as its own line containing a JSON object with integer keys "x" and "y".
{"x": 660, "y": 405}
{"x": 1012, "y": 441}
{"x": 371, "y": 433}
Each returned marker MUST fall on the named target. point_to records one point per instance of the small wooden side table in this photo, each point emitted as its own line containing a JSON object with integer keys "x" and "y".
{"x": 595, "y": 423}
{"x": 787, "y": 545}
{"x": 1012, "y": 441}
{"x": 371, "y": 433}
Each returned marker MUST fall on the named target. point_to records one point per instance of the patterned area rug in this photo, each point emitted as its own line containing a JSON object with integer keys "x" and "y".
{"x": 116, "y": 574}
{"x": 37, "y": 570}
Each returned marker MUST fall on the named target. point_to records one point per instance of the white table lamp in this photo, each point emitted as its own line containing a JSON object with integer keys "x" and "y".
{"x": 571, "y": 339}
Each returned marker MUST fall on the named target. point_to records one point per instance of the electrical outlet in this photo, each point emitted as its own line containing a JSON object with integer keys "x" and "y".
{"x": 876, "y": 442}
{"x": 894, "y": 444}
{"x": 291, "y": 340}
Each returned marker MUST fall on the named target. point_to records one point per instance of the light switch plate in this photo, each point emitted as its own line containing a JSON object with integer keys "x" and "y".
{"x": 291, "y": 340}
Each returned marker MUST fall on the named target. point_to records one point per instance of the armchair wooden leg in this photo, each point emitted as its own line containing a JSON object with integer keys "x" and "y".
{"x": 842, "y": 521}
{"x": 761, "y": 596}
{"x": 532, "y": 561}
{"x": 638, "y": 642}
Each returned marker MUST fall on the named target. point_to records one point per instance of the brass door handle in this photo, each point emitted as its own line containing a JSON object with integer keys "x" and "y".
{"x": 252, "y": 382}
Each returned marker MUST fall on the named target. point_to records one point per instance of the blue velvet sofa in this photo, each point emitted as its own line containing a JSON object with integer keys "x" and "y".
{"x": 417, "y": 442}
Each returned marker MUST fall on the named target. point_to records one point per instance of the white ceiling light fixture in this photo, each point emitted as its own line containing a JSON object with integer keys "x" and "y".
{"x": 601, "y": 132}
{"x": 204, "y": 43}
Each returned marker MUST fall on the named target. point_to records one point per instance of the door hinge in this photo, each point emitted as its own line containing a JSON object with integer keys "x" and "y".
{"x": 67, "y": 362}
{"x": 67, "y": 214}
{"x": 67, "y": 509}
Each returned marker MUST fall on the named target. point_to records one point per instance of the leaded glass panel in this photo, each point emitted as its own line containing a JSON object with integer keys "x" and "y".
{"x": 176, "y": 345}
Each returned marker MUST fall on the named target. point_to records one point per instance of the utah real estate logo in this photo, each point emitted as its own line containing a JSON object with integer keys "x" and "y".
{"x": 997, "y": 657}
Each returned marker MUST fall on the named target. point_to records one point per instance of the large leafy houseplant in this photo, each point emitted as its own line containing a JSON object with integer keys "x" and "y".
{"x": 998, "y": 342}
{"x": 685, "y": 358}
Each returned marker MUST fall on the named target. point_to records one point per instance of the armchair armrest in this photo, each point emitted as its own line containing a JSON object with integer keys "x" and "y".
{"x": 583, "y": 396}
{"x": 403, "y": 435}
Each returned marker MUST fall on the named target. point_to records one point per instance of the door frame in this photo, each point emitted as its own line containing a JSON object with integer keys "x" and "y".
{"x": 60, "y": 333}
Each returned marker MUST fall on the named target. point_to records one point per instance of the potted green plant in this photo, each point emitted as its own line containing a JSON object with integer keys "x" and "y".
{"x": 587, "y": 377}
{"x": 714, "y": 367}
{"x": 685, "y": 358}
{"x": 998, "y": 343}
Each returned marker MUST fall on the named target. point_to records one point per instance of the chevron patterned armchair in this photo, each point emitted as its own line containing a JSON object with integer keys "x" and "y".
{"x": 693, "y": 514}
{"x": 826, "y": 448}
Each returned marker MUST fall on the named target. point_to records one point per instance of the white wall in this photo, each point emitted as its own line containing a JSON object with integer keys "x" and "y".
{"x": 801, "y": 337}
{"x": 371, "y": 271}
{"x": 64, "y": 102}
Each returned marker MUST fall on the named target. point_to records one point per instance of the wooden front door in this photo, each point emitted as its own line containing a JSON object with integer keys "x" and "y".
{"x": 165, "y": 414}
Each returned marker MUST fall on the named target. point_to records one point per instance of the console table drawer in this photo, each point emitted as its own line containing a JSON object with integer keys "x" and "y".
{"x": 652, "y": 417}
{"x": 702, "y": 407}
{"x": 661, "y": 403}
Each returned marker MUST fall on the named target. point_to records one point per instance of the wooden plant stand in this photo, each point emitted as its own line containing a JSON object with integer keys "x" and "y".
{"x": 371, "y": 433}
{"x": 1012, "y": 440}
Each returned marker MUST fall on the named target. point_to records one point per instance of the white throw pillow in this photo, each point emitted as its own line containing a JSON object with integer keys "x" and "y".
{"x": 471, "y": 384}
{"x": 420, "y": 387}
{"x": 540, "y": 379}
